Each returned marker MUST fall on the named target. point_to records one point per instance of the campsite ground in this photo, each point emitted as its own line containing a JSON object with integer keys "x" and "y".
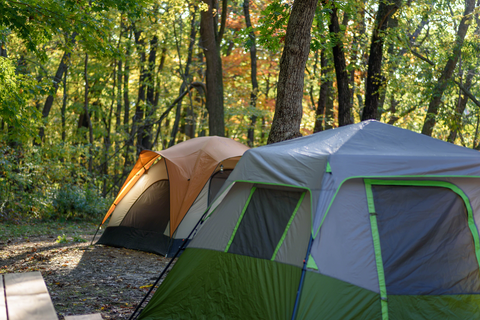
{"x": 81, "y": 279}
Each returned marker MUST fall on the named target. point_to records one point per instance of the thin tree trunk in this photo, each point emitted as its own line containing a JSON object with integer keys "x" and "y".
{"x": 441, "y": 85}
{"x": 462, "y": 97}
{"x": 344, "y": 100}
{"x": 329, "y": 112}
{"x": 64, "y": 105}
{"x": 322, "y": 95}
{"x": 460, "y": 108}
{"x": 107, "y": 138}
{"x": 288, "y": 107}
{"x": 150, "y": 84}
{"x": 126, "y": 115}
{"x": 375, "y": 80}
{"x": 87, "y": 115}
{"x": 211, "y": 39}
{"x": 62, "y": 68}
{"x": 186, "y": 74}
{"x": 253, "y": 73}
{"x": 138, "y": 125}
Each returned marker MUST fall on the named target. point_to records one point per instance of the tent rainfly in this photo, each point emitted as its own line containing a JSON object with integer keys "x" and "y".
{"x": 367, "y": 221}
{"x": 167, "y": 192}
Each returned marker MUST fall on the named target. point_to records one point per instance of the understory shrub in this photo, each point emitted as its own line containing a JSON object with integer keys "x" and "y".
{"x": 74, "y": 202}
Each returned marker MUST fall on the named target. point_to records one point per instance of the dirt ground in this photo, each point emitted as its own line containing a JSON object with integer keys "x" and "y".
{"x": 84, "y": 279}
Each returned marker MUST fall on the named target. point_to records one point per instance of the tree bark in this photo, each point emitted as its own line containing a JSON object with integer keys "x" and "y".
{"x": 288, "y": 106}
{"x": 344, "y": 100}
{"x": 326, "y": 84}
{"x": 210, "y": 43}
{"x": 150, "y": 106}
{"x": 64, "y": 106}
{"x": 253, "y": 73}
{"x": 62, "y": 68}
{"x": 441, "y": 85}
{"x": 87, "y": 115}
{"x": 460, "y": 108}
{"x": 186, "y": 75}
{"x": 375, "y": 79}
{"x": 138, "y": 125}
{"x": 463, "y": 98}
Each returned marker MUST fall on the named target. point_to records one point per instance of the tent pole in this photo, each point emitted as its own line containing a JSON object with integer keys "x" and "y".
{"x": 182, "y": 247}
{"x": 96, "y": 233}
{"x": 300, "y": 285}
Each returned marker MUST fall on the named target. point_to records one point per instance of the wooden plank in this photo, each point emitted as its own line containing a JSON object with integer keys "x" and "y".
{"x": 95, "y": 316}
{"x": 17, "y": 284}
{"x": 3, "y": 309}
{"x": 27, "y": 297}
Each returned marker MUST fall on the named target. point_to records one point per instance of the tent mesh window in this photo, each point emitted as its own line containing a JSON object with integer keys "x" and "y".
{"x": 216, "y": 183}
{"x": 264, "y": 222}
{"x": 147, "y": 213}
{"x": 427, "y": 246}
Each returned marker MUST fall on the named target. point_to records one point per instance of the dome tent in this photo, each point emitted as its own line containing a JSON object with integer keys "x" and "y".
{"x": 367, "y": 221}
{"x": 167, "y": 192}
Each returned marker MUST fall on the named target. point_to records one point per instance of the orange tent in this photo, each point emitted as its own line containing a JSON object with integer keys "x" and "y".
{"x": 166, "y": 187}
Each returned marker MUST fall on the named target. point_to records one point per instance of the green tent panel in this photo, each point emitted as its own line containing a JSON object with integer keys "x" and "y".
{"x": 336, "y": 300}
{"x": 215, "y": 285}
{"x": 367, "y": 221}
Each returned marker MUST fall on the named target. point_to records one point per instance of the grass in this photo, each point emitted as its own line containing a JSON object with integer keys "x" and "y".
{"x": 11, "y": 231}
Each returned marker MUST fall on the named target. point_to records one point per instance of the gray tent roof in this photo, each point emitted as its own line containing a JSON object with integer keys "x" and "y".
{"x": 366, "y": 149}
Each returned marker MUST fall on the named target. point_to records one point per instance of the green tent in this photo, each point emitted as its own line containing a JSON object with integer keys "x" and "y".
{"x": 367, "y": 221}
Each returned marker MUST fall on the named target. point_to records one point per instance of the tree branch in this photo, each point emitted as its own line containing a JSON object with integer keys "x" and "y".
{"x": 223, "y": 21}
{"x": 418, "y": 55}
{"x": 465, "y": 90}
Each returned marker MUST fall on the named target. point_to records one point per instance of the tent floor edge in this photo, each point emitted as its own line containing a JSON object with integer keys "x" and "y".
{"x": 136, "y": 239}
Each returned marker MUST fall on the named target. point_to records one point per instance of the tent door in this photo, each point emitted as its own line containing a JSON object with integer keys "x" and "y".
{"x": 417, "y": 227}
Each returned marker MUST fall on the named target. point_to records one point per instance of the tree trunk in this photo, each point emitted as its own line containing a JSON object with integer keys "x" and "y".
{"x": 329, "y": 112}
{"x": 320, "y": 116}
{"x": 447, "y": 73}
{"x": 375, "y": 80}
{"x": 460, "y": 108}
{"x": 463, "y": 98}
{"x": 138, "y": 124}
{"x": 253, "y": 73}
{"x": 62, "y": 68}
{"x": 211, "y": 40}
{"x": 87, "y": 115}
{"x": 288, "y": 106}
{"x": 64, "y": 105}
{"x": 150, "y": 108}
{"x": 344, "y": 100}
{"x": 186, "y": 74}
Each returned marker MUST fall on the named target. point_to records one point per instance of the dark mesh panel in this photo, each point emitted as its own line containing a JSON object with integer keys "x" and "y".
{"x": 216, "y": 183}
{"x": 427, "y": 247}
{"x": 264, "y": 222}
{"x": 151, "y": 211}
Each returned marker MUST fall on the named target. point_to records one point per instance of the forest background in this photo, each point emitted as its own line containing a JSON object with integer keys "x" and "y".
{"x": 85, "y": 86}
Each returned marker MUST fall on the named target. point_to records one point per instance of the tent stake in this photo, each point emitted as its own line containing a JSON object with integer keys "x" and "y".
{"x": 300, "y": 285}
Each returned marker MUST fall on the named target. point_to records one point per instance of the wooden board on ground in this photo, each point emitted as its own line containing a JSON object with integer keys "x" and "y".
{"x": 3, "y": 310}
{"x": 27, "y": 297}
{"x": 95, "y": 316}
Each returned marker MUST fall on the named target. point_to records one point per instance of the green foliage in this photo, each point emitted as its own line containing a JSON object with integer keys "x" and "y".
{"x": 15, "y": 91}
{"x": 273, "y": 25}
{"x": 74, "y": 202}
{"x": 62, "y": 239}
{"x": 76, "y": 238}
{"x": 42, "y": 185}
